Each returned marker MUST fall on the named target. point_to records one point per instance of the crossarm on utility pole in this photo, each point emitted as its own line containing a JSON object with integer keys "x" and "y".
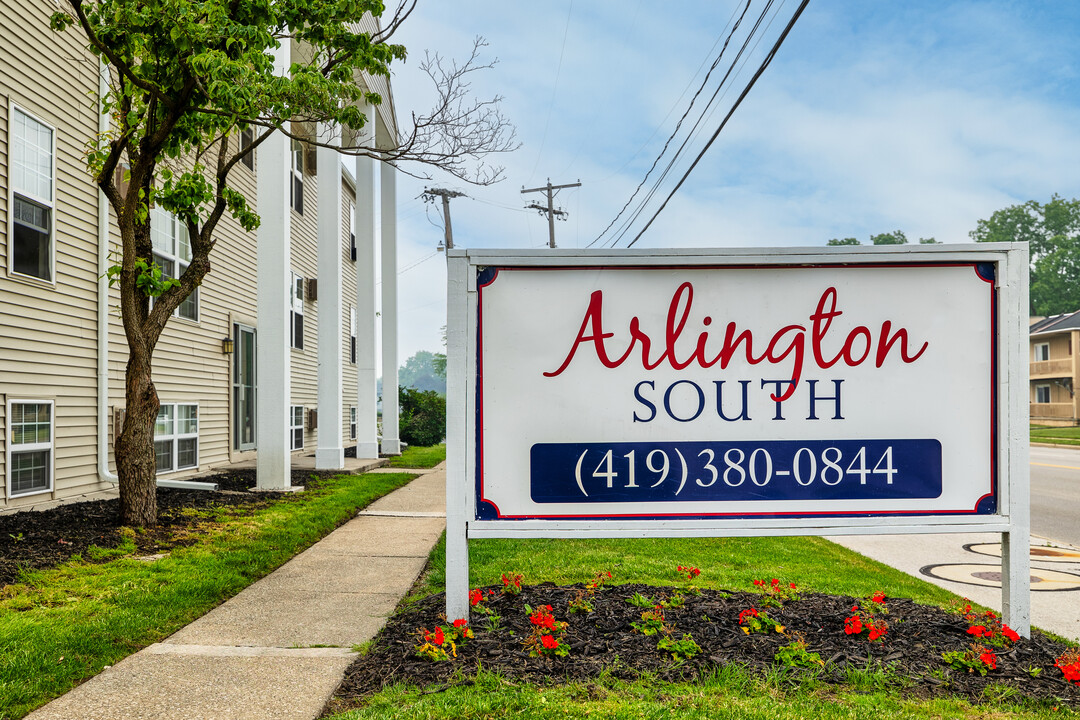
{"x": 550, "y": 209}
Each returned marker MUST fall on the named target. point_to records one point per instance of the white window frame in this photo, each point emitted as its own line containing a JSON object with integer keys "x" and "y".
{"x": 167, "y": 228}
{"x": 296, "y": 308}
{"x": 1045, "y": 348}
{"x": 176, "y": 436}
{"x": 352, "y": 334}
{"x": 296, "y": 412}
{"x": 48, "y": 203}
{"x": 1040, "y": 387}
{"x": 352, "y": 422}
{"x": 12, "y": 449}
{"x": 296, "y": 176}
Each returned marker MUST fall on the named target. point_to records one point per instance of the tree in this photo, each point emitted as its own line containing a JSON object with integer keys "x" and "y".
{"x": 421, "y": 372}
{"x": 423, "y": 416}
{"x": 893, "y": 238}
{"x": 845, "y": 241}
{"x": 1052, "y": 231}
{"x": 185, "y": 78}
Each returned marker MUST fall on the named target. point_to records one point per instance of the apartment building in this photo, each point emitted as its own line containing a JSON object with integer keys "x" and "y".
{"x": 273, "y": 356}
{"x": 1055, "y": 368}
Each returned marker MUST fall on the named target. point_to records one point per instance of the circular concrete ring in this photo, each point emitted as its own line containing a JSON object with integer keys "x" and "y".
{"x": 1039, "y": 553}
{"x": 986, "y": 575}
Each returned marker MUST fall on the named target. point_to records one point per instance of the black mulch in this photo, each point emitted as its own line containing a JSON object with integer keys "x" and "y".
{"x": 32, "y": 539}
{"x": 603, "y": 640}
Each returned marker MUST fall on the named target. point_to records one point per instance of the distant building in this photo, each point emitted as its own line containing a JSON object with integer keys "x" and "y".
{"x": 1055, "y": 369}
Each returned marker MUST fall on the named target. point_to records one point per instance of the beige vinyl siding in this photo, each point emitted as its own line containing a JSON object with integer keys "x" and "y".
{"x": 48, "y": 330}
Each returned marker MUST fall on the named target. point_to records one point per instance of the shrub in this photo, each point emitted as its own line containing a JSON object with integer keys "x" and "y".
{"x": 421, "y": 417}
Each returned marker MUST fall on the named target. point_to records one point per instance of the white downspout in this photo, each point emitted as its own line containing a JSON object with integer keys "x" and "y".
{"x": 103, "y": 306}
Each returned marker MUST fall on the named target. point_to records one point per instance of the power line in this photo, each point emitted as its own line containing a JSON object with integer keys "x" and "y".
{"x": 554, "y": 90}
{"x": 678, "y": 125}
{"x": 550, "y": 209}
{"x": 765, "y": 63}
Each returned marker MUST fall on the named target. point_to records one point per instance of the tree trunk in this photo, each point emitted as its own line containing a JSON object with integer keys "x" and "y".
{"x": 136, "y": 465}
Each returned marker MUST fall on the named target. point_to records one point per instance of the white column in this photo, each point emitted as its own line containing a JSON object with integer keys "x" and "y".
{"x": 388, "y": 217}
{"x": 330, "y": 451}
{"x": 273, "y": 463}
{"x": 367, "y": 397}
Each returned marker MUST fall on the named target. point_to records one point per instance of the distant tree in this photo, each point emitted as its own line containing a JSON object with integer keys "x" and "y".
{"x": 421, "y": 372}
{"x": 1052, "y": 231}
{"x": 893, "y": 238}
{"x": 928, "y": 241}
{"x": 422, "y": 416}
{"x": 845, "y": 241}
{"x": 439, "y": 364}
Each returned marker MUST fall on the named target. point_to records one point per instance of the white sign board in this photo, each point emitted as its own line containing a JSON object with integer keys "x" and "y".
{"x": 738, "y": 392}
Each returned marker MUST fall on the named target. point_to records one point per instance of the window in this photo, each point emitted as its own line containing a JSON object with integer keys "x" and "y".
{"x": 32, "y": 150}
{"x": 30, "y": 447}
{"x": 296, "y": 175}
{"x": 352, "y": 232}
{"x": 296, "y": 313}
{"x": 352, "y": 334}
{"x": 1042, "y": 393}
{"x": 296, "y": 427}
{"x": 172, "y": 253}
{"x": 1042, "y": 352}
{"x": 352, "y": 423}
{"x": 176, "y": 437}
{"x": 247, "y": 137}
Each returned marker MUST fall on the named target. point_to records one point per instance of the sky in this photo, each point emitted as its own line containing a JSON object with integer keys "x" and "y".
{"x": 920, "y": 116}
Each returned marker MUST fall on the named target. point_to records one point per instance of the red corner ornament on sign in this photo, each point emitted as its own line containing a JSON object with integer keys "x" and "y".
{"x": 789, "y": 340}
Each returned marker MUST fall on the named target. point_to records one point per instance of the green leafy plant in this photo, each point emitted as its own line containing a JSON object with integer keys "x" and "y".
{"x": 652, "y": 622}
{"x": 796, "y": 654}
{"x": 677, "y": 600}
{"x": 752, "y": 620}
{"x": 639, "y": 600}
{"x": 976, "y": 659}
{"x": 775, "y": 592}
{"x": 989, "y": 628}
{"x": 685, "y": 647}
{"x": 421, "y": 416}
{"x": 441, "y": 643}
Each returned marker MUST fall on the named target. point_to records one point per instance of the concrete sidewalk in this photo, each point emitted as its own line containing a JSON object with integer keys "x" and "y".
{"x": 263, "y": 653}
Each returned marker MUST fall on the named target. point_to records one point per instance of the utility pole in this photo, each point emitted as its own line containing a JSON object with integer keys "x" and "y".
{"x": 429, "y": 195}
{"x": 550, "y": 209}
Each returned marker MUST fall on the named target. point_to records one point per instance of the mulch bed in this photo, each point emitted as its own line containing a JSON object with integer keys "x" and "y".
{"x": 38, "y": 539}
{"x": 604, "y": 641}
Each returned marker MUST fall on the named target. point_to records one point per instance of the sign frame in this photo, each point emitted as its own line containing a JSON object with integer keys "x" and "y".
{"x": 1012, "y": 516}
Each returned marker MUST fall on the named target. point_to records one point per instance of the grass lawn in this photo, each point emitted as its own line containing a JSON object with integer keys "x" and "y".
{"x": 733, "y": 563}
{"x": 1056, "y": 435}
{"x": 61, "y": 626}
{"x": 419, "y": 457}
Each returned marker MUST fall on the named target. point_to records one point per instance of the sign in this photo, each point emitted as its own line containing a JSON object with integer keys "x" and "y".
{"x": 711, "y": 393}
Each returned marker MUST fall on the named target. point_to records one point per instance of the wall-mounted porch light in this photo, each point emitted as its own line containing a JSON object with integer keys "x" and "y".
{"x": 227, "y": 344}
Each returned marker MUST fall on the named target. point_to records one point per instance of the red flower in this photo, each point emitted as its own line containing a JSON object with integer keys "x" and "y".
{"x": 854, "y": 608}
{"x": 853, "y": 625}
{"x": 549, "y": 642}
{"x": 759, "y": 582}
{"x": 989, "y": 659}
{"x": 1010, "y": 633}
{"x": 461, "y": 622}
{"x": 977, "y": 630}
{"x": 792, "y": 586}
{"x": 439, "y": 638}
{"x": 878, "y": 597}
{"x": 475, "y": 596}
{"x": 749, "y": 612}
{"x": 875, "y": 633}
{"x": 775, "y": 582}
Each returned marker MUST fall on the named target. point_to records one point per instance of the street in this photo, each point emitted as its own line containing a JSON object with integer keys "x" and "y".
{"x": 1055, "y": 494}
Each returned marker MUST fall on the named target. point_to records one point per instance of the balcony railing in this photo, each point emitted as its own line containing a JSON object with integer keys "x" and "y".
{"x": 1051, "y": 411}
{"x": 1051, "y": 368}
